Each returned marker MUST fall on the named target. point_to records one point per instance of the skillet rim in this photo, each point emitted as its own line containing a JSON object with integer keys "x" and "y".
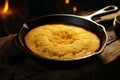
{"x": 67, "y": 15}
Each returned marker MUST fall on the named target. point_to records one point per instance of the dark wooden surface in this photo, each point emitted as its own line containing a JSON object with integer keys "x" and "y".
{"x": 16, "y": 66}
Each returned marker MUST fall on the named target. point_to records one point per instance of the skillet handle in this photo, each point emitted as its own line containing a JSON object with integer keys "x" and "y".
{"x": 104, "y": 11}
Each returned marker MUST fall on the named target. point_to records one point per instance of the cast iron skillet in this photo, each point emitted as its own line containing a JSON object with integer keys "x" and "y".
{"x": 82, "y": 21}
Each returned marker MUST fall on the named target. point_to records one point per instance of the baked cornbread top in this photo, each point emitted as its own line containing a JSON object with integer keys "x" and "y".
{"x": 61, "y": 41}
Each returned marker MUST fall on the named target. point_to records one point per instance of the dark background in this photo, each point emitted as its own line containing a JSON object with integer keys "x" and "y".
{"x": 43, "y": 7}
{"x": 35, "y": 8}
{"x": 25, "y": 10}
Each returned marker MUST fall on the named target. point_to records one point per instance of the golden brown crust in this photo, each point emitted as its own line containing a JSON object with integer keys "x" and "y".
{"x": 60, "y": 41}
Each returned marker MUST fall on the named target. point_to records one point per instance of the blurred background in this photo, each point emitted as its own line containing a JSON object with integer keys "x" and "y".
{"x": 43, "y": 7}
{"x": 13, "y": 13}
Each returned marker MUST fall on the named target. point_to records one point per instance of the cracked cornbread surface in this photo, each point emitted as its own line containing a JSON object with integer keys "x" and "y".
{"x": 61, "y": 41}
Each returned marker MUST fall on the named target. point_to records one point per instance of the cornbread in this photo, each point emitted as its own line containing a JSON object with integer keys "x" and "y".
{"x": 61, "y": 41}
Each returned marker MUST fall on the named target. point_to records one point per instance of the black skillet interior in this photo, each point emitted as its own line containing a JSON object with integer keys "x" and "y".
{"x": 64, "y": 19}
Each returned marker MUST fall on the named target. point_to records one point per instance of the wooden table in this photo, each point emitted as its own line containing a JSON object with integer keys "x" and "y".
{"x": 16, "y": 66}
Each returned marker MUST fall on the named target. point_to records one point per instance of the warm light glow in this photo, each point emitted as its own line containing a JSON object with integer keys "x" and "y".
{"x": 67, "y": 1}
{"x": 5, "y": 11}
{"x": 6, "y": 6}
{"x": 74, "y": 9}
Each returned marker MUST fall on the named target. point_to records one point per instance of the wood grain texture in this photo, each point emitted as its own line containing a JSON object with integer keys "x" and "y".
{"x": 105, "y": 66}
